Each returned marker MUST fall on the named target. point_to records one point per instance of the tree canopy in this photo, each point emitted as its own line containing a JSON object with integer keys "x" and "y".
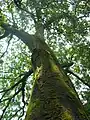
{"x": 65, "y": 27}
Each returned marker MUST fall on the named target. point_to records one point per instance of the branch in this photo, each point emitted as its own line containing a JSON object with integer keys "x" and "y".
{"x": 24, "y": 83}
{"x": 85, "y": 15}
{"x": 27, "y": 74}
{"x": 55, "y": 18}
{"x": 19, "y": 4}
{"x": 28, "y": 39}
{"x": 67, "y": 65}
{"x": 9, "y": 100}
{"x": 13, "y": 85}
{"x": 21, "y": 115}
{"x": 5, "y": 109}
{"x": 83, "y": 81}
{"x": 17, "y": 111}
{"x": 6, "y": 33}
{"x": 7, "y": 47}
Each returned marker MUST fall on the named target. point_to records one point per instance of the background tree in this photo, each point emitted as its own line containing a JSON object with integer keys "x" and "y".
{"x": 64, "y": 25}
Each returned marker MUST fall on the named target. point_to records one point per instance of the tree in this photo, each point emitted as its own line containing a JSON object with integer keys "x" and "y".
{"x": 53, "y": 94}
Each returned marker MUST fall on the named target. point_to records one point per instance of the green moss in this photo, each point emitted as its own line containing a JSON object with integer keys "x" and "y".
{"x": 32, "y": 107}
{"x": 66, "y": 115}
{"x": 38, "y": 72}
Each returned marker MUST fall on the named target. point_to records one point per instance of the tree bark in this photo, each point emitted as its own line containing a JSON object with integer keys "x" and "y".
{"x": 53, "y": 95}
{"x": 52, "y": 98}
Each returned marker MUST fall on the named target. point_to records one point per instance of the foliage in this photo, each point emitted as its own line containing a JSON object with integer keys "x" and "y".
{"x": 66, "y": 30}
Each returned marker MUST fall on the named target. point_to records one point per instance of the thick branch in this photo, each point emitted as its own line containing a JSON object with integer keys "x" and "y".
{"x": 28, "y": 39}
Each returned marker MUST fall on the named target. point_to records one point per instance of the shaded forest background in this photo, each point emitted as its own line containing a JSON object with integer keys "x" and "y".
{"x": 66, "y": 28}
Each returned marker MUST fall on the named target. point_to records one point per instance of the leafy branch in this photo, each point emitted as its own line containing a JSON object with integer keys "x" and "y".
{"x": 21, "y": 89}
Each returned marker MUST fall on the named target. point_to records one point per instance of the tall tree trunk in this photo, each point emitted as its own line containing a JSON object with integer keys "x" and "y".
{"x": 53, "y": 96}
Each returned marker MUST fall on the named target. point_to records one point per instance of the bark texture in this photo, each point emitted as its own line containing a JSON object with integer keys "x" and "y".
{"x": 52, "y": 98}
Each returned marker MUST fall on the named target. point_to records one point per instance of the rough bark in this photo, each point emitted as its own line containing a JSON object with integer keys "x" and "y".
{"x": 53, "y": 97}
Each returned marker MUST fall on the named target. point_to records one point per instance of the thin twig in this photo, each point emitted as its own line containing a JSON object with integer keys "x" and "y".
{"x": 9, "y": 100}
{"x": 15, "y": 113}
{"x": 7, "y": 47}
{"x": 19, "y": 4}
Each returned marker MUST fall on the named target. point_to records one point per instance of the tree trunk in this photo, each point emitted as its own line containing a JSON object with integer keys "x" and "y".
{"x": 52, "y": 98}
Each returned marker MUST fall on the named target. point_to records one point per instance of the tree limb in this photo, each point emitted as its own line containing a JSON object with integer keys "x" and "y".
{"x": 28, "y": 39}
{"x": 83, "y": 81}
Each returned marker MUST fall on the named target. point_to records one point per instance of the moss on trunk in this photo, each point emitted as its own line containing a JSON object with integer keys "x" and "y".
{"x": 52, "y": 98}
